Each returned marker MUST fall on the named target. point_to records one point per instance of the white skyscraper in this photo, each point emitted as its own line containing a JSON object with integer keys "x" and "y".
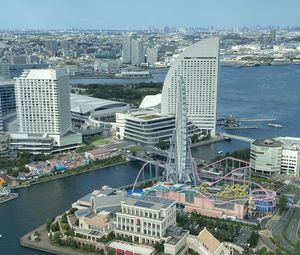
{"x": 126, "y": 53}
{"x": 43, "y": 103}
{"x": 137, "y": 52}
{"x": 199, "y": 67}
{"x": 151, "y": 56}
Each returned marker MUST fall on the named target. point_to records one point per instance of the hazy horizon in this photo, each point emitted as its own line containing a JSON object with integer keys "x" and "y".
{"x": 138, "y": 14}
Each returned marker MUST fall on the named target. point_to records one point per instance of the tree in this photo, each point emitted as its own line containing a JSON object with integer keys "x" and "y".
{"x": 253, "y": 239}
{"x": 195, "y": 138}
{"x": 159, "y": 247}
{"x": 296, "y": 250}
{"x": 292, "y": 188}
{"x": 162, "y": 144}
{"x": 282, "y": 203}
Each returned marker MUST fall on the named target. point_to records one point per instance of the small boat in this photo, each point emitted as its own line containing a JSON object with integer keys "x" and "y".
{"x": 0, "y": 236}
{"x": 220, "y": 152}
{"x": 274, "y": 125}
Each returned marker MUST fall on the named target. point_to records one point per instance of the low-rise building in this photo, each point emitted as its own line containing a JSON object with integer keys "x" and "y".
{"x": 130, "y": 249}
{"x": 206, "y": 244}
{"x": 101, "y": 153}
{"x": 193, "y": 202}
{"x": 147, "y": 127}
{"x": 83, "y": 107}
{"x": 44, "y": 143}
{"x": 290, "y": 161}
{"x": 280, "y": 155}
{"x": 265, "y": 156}
{"x": 145, "y": 219}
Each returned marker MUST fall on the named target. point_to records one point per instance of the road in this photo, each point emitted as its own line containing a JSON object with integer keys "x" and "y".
{"x": 244, "y": 236}
{"x": 286, "y": 229}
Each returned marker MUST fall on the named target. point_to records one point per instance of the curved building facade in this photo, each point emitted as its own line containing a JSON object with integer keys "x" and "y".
{"x": 265, "y": 156}
{"x": 199, "y": 67}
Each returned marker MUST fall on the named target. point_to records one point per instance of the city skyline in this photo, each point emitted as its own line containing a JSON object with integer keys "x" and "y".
{"x": 135, "y": 14}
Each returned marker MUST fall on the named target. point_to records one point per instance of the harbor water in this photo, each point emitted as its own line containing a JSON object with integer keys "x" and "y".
{"x": 256, "y": 92}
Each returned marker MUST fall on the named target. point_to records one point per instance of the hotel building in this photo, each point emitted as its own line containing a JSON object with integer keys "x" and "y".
{"x": 43, "y": 109}
{"x": 199, "y": 67}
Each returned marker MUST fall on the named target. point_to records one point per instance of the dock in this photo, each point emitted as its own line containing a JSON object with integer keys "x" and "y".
{"x": 257, "y": 120}
{"x": 240, "y": 127}
{"x": 9, "y": 197}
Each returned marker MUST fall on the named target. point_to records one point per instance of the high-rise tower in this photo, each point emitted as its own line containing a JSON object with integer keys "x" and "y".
{"x": 43, "y": 103}
{"x": 199, "y": 67}
{"x": 137, "y": 52}
{"x": 126, "y": 53}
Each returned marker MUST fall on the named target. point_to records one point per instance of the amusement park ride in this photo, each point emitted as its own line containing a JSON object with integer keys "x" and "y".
{"x": 224, "y": 182}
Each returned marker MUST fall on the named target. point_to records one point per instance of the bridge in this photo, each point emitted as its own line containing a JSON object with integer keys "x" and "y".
{"x": 151, "y": 161}
{"x": 237, "y": 137}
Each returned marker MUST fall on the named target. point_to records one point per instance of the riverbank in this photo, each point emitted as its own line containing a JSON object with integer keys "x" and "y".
{"x": 67, "y": 174}
{"x": 9, "y": 197}
{"x": 45, "y": 245}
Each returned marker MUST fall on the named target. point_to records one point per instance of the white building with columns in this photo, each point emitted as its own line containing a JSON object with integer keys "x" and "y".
{"x": 145, "y": 219}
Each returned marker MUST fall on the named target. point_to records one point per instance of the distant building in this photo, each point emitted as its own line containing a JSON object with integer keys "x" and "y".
{"x": 51, "y": 45}
{"x": 137, "y": 52}
{"x": 7, "y": 100}
{"x": 199, "y": 67}
{"x": 151, "y": 56}
{"x": 265, "y": 156}
{"x": 273, "y": 35}
{"x": 4, "y": 145}
{"x": 126, "y": 52}
{"x": 4, "y": 71}
{"x": 65, "y": 44}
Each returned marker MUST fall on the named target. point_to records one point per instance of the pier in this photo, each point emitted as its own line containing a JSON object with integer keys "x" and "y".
{"x": 237, "y": 137}
{"x": 256, "y": 120}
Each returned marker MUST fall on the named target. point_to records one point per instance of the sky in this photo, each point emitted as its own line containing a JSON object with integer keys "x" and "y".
{"x": 140, "y": 14}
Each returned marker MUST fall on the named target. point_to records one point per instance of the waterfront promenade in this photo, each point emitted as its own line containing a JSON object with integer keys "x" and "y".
{"x": 45, "y": 245}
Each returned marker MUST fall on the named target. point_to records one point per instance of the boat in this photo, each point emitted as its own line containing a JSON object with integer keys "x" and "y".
{"x": 0, "y": 236}
{"x": 220, "y": 152}
{"x": 274, "y": 125}
{"x": 133, "y": 75}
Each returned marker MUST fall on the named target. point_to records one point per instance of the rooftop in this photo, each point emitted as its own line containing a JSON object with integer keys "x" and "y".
{"x": 267, "y": 143}
{"x": 149, "y": 201}
{"x": 290, "y": 143}
{"x": 85, "y": 104}
{"x": 209, "y": 240}
{"x": 137, "y": 249}
{"x": 150, "y": 117}
{"x": 43, "y": 74}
